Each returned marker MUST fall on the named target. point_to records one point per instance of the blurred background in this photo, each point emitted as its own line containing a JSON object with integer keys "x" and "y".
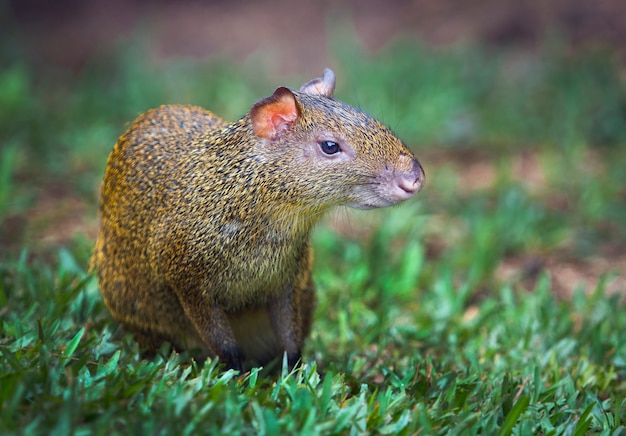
{"x": 71, "y": 33}
{"x": 517, "y": 111}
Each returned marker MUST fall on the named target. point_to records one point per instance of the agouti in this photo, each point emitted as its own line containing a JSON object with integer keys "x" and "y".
{"x": 204, "y": 232}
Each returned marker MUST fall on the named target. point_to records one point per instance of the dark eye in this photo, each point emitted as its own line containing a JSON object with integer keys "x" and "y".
{"x": 329, "y": 147}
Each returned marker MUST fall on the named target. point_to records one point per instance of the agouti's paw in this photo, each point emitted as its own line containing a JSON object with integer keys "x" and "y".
{"x": 233, "y": 359}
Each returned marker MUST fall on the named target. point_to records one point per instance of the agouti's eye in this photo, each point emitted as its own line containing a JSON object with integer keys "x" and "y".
{"x": 329, "y": 147}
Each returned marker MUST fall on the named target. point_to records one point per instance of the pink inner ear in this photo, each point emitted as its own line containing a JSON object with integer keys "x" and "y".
{"x": 281, "y": 120}
{"x": 273, "y": 115}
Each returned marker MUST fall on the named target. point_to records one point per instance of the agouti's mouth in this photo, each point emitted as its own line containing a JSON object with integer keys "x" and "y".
{"x": 369, "y": 204}
{"x": 361, "y": 206}
{"x": 391, "y": 187}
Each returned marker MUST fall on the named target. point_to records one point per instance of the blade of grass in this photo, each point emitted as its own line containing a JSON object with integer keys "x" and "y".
{"x": 516, "y": 412}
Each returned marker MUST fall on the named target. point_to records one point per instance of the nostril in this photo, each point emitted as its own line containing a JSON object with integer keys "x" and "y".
{"x": 408, "y": 185}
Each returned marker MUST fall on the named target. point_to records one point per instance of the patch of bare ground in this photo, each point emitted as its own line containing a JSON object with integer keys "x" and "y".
{"x": 479, "y": 172}
{"x": 567, "y": 274}
{"x": 56, "y": 217}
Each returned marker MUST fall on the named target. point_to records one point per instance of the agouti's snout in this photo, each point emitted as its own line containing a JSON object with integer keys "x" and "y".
{"x": 397, "y": 181}
{"x": 405, "y": 184}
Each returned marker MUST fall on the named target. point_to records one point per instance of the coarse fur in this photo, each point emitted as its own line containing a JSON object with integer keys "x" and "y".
{"x": 204, "y": 233}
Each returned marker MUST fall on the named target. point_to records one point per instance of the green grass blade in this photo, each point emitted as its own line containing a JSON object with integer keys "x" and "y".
{"x": 73, "y": 344}
{"x": 584, "y": 421}
{"x": 516, "y": 412}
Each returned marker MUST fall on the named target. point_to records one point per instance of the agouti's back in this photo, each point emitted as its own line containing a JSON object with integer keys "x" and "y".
{"x": 204, "y": 236}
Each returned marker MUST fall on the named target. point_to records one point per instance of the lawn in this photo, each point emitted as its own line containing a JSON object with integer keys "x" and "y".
{"x": 492, "y": 303}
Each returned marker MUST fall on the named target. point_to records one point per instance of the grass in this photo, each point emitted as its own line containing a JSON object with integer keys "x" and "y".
{"x": 421, "y": 326}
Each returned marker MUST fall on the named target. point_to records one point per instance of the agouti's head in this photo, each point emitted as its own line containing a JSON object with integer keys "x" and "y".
{"x": 335, "y": 153}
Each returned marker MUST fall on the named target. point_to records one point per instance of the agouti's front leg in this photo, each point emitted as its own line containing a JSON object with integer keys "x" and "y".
{"x": 214, "y": 328}
{"x": 283, "y": 316}
{"x": 291, "y": 313}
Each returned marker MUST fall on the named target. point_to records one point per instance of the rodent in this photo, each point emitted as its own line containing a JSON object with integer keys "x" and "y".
{"x": 204, "y": 225}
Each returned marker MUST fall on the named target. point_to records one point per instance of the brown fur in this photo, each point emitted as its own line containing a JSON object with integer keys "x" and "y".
{"x": 204, "y": 235}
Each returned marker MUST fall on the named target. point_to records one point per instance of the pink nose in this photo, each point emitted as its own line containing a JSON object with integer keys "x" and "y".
{"x": 409, "y": 183}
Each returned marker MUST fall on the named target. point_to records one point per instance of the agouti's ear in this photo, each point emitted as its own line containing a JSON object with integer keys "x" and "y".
{"x": 274, "y": 114}
{"x": 321, "y": 85}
